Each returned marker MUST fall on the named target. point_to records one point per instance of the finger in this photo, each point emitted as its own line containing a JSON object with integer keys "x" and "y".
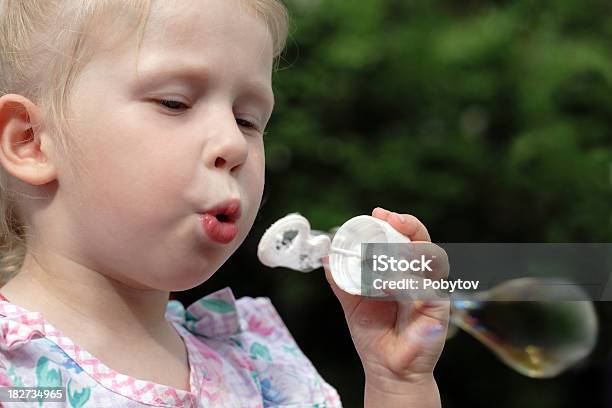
{"x": 430, "y": 321}
{"x": 421, "y": 312}
{"x": 439, "y": 264}
{"x": 407, "y": 224}
{"x": 431, "y": 261}
{"x": 414, "y": 290}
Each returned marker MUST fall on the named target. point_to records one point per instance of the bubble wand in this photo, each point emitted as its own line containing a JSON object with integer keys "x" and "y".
{"x": 539, "y": 339}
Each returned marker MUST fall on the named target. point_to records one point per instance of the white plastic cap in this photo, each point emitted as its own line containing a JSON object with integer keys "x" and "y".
{"x": 345, "y": 251}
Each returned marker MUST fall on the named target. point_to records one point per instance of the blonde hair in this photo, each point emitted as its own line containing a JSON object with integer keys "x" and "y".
{"x": 44, "y": 45}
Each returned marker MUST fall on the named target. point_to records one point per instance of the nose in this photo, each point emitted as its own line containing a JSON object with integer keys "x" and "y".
{"x": 228, "y": 148}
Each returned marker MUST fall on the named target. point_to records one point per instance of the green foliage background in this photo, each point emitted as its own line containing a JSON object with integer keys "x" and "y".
{"x": 491, "y": 121}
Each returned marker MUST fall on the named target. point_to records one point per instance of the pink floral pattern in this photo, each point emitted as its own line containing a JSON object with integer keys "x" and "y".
{"x": 241, "y": 354}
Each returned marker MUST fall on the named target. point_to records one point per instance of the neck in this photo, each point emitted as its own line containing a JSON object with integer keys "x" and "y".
{"x": 65, "y": 290}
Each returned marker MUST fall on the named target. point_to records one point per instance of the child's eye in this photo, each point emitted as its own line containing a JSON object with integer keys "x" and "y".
{"x": 173, "y": 105}
{"x": 178, "y": 106}
{"x": 245, "y": 123}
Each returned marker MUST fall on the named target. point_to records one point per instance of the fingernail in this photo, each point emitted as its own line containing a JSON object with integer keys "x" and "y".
{"x": 433, "y": 331}
{"x": 401, "y": 219}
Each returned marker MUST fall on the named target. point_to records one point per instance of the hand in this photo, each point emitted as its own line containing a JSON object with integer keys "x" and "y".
{"x": 399, "y": 342}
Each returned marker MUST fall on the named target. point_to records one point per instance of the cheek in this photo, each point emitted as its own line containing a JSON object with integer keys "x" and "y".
{"x": 256, "y": 173}
{"x": 129, "y": 162}
{"x": 131, "y": 171}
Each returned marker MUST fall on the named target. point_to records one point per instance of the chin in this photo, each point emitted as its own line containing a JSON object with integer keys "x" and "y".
{"x": 188, "y": 278}
{"x": 210, "y": 259}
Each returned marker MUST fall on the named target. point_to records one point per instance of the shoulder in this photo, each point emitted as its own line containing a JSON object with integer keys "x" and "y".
{"x": 18, "y": 326}
{"x": 253, "y": 328}
{"x": 30, "y": 354}
{"x": 27, "y": 357}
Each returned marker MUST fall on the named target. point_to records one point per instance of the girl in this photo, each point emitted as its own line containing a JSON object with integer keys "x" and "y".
{"x": 132, "y": 157}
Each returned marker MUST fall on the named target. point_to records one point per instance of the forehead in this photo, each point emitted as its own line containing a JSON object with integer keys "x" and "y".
{"x": 201, "y": 29}
{"x": 217, "y": 39}
{"x": 189, "y": 19}
{"x": 219, "y": 42}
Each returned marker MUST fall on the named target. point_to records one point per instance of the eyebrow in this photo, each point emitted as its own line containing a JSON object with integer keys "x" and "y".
{"x": 200, "y": 75}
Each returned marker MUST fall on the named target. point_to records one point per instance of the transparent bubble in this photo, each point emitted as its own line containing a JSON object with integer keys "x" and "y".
{"x": 538, "y": 338}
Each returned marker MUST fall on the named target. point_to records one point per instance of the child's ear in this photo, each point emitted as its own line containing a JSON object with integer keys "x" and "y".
{"x": 24, "y": 145}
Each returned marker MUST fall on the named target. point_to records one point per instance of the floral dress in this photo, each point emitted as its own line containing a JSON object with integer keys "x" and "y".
{"x": 240, "y": 352}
